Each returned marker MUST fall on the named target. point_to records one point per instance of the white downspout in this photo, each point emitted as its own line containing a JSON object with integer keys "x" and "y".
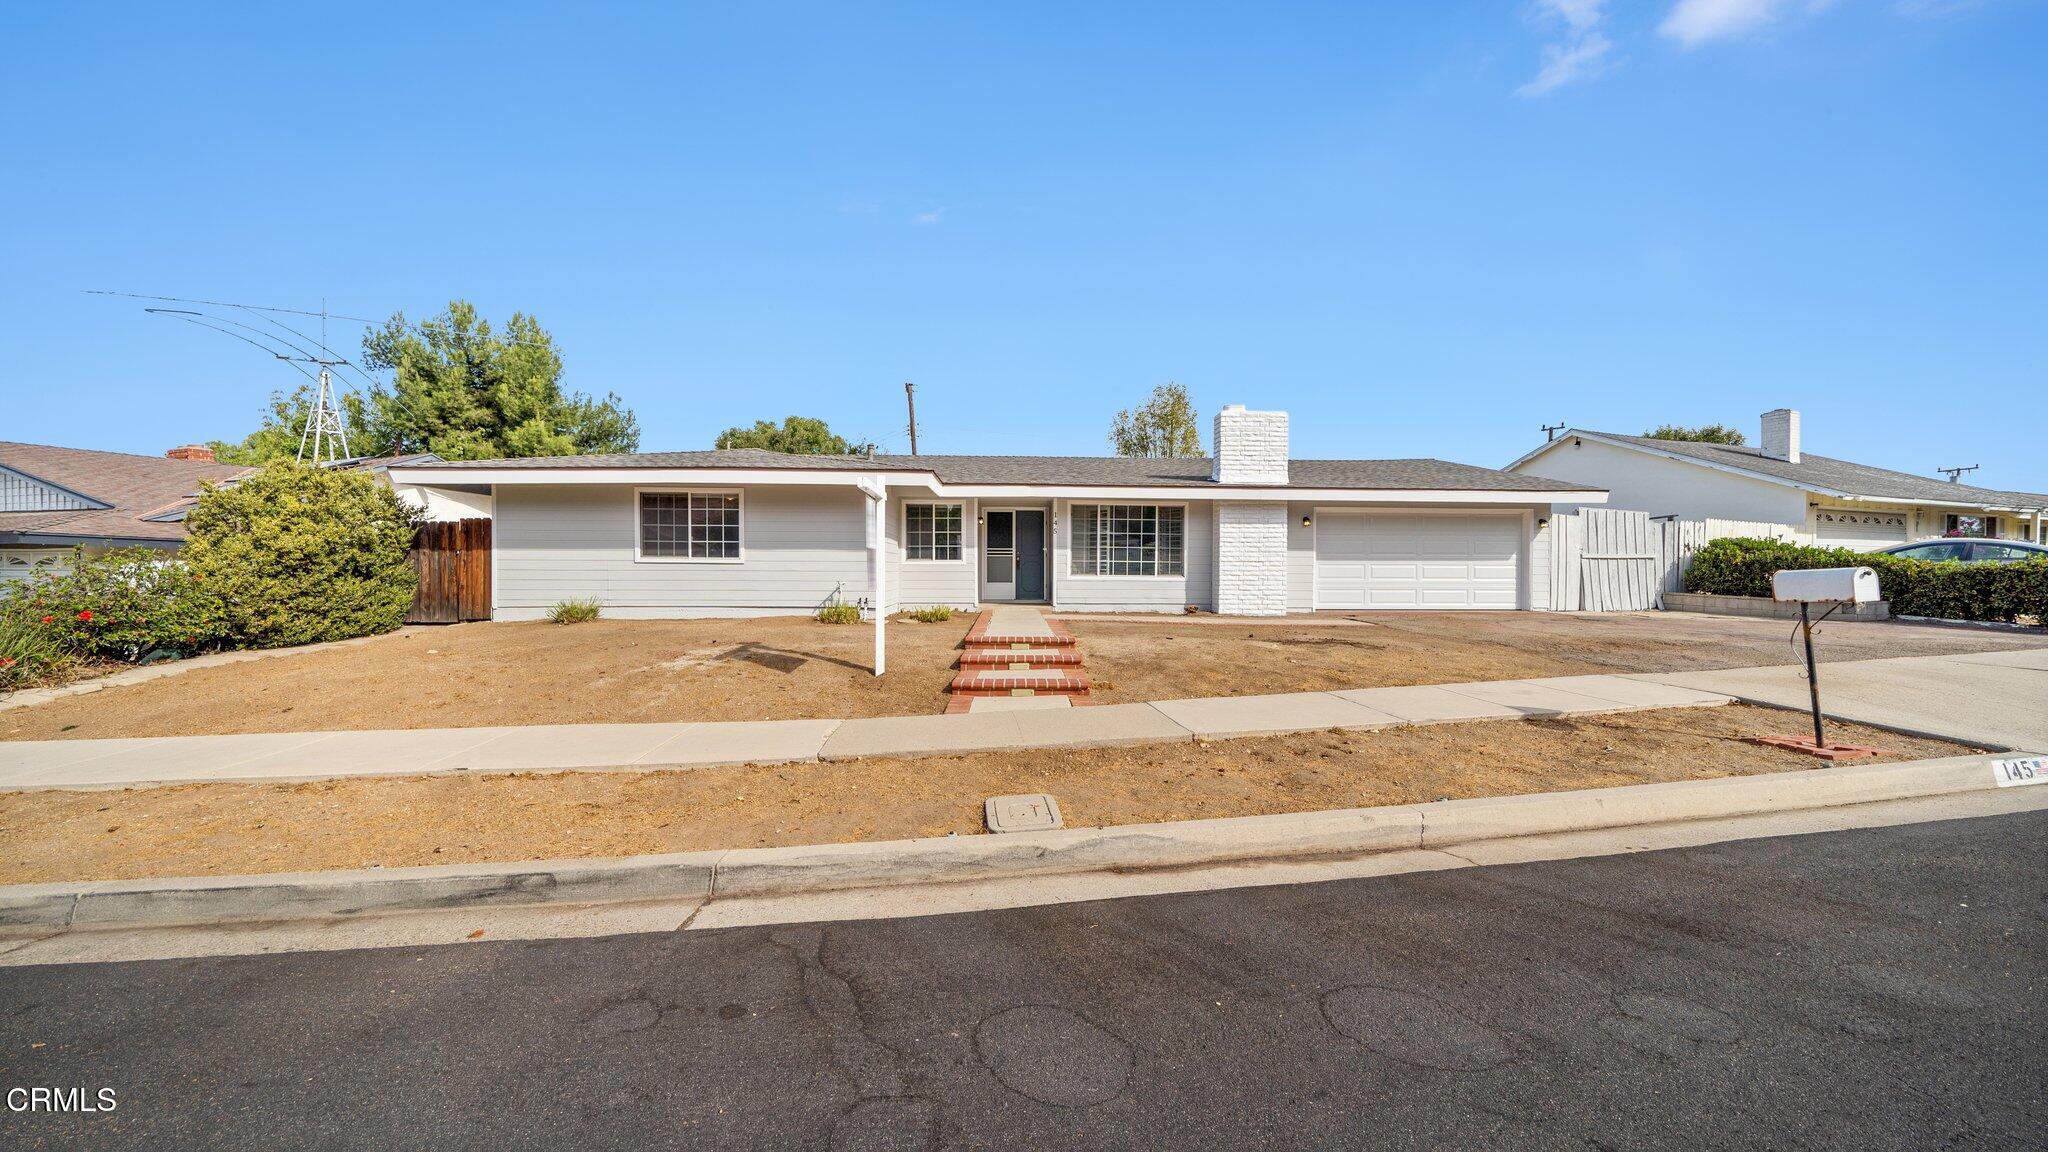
{"x": 878, "y": 553}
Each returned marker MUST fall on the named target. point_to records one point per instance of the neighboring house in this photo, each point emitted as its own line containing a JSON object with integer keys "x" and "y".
{"x": 750, "y": 533}
{"x": 1830, "y": 502}
{"x": 55, "y": 499}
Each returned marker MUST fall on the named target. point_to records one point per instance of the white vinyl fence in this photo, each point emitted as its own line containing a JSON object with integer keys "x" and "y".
{"x": 1615, "y": 560}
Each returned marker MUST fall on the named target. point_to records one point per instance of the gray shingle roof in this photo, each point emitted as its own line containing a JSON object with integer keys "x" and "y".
{"x": 1088, "y": 471}
{"x": 1834, "y": 475}
{"x": 137, "y": 487}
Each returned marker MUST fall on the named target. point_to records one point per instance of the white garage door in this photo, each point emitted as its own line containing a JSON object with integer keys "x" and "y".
{"x": 1364, "y": 560}
{"x": 1859, "y": 529}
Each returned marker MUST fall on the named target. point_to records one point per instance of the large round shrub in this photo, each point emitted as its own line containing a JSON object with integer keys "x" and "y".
{"x": 300, "y": 555}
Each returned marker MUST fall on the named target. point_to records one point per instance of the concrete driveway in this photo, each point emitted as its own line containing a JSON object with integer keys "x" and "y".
{"x": 1990, "y": 698}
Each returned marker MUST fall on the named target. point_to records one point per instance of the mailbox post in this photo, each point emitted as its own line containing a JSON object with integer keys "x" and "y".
{"x": 1834, "y": 586}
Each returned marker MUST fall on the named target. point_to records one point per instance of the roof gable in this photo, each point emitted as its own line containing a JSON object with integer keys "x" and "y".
{"x": 21, "y": 492}
{"x": 1812, "y": 473}
{"x": 113, "y": 495}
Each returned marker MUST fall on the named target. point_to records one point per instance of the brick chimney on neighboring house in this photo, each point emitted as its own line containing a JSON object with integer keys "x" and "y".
{"x": 191, "y": 452}
{"x": 1781, "y": 435}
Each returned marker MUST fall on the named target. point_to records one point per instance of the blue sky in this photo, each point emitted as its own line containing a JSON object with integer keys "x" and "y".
{"x": 1422, "y": 229}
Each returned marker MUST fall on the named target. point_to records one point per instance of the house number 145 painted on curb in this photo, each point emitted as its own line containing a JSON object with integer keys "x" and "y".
{"x": 2032, "y": 770}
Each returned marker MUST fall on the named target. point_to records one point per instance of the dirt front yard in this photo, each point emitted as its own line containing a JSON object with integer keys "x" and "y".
{"x": 1213, "y": 656}
{"x": 227, "y": 829}
{"x": 633, "y": 671}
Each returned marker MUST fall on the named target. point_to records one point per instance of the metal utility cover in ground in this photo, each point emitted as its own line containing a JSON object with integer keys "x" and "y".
{"x": 1035, "y": 812}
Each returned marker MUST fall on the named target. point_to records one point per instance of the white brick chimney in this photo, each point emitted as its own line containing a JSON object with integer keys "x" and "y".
{"x": 1781, "y": 435}
{"x": 1251, "y": 447}
{"x": 1251, "y": 536}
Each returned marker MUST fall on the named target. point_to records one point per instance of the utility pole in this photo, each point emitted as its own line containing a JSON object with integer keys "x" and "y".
{"x": 1550, "y": 432}
{"x": 910, "y": 398}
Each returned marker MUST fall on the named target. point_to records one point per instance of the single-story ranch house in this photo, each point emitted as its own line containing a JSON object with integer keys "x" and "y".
{"x": 748, "y": 532}
{"x": 1833, "y": 503}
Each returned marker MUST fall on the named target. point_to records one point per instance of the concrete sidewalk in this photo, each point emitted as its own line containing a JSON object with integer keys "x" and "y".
{"x": 1987, "y": 698}
{"x": 595, "y": 747}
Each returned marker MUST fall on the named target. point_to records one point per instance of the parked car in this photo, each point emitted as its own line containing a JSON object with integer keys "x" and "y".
{"x": 1970, "y": 551}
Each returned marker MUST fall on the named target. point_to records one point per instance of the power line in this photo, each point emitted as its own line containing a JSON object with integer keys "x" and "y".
{"x": 228, "y": 304}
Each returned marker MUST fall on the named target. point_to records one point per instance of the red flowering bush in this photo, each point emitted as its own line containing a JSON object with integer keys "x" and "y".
{"x": 120, "y": 605}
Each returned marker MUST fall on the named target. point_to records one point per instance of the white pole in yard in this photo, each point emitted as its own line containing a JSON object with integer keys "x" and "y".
{"x": 878, "y": 555}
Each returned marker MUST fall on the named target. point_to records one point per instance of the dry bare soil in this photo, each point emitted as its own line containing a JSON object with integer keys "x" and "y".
{"x": 620, "y": 671}
{"x": 226, "y": 829}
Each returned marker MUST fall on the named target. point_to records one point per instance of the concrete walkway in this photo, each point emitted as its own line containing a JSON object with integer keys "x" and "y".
{"x": 1990, "y": 698}
{"x": 595, "y": 747}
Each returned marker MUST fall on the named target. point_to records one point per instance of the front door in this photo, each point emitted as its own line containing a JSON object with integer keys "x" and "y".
{"x": 1031, "y": 555}
{"x": 1013, "y": 554}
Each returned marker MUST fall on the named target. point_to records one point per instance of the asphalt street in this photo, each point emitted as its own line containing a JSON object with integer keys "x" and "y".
{"x": 1870, "y": 989}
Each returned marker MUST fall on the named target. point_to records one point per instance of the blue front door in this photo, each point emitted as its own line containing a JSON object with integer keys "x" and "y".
{"x": 1030, "y": 554}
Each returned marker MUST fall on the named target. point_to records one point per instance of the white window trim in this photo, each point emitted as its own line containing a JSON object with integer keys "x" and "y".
{"x": 641, "y": 557}
{"x": 1185, "y": 545}
{"x": 903, "y": 530}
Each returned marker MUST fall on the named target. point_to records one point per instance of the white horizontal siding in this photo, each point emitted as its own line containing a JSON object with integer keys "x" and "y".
{"x": 1301, "y": 558}
{"x": 1537, "y": 573}
{"x": 923, "y": 583}
{"x": 799, "y": 546}
{"x": 1138, "y": 593}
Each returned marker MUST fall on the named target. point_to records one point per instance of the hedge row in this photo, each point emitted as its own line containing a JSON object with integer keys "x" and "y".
{"x": 1947, "y": 590}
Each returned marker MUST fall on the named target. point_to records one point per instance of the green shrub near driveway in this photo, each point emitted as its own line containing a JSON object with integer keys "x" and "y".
{"x": 932, "y": 614}
{"x": 303, "y": 555}
{"x": 839, "y": 614}
{"x": 1946, "y": 590}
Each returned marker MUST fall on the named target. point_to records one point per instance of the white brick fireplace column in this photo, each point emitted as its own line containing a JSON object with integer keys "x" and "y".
{"x": 1251, "y": 558}
{"x": 1251, "y": 536}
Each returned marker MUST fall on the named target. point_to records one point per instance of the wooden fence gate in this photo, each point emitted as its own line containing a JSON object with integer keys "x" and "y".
{"x": 453, "y": 558}
{"x": 1619, "y": 564}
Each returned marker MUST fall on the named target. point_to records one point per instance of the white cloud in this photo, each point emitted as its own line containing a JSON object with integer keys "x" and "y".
{"x": 1563, "y": 64}
{"x": 931, "y": 217}
{"x": 1695, "y": 22}
{"x": 1578, "y": 15}
{"x": 1580, "y": 55}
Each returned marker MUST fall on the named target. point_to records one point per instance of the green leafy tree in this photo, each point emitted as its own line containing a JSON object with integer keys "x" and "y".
{"x": 1704, "y": 434}
{"x": 798, "y": 434}
{"x": 469, "y": 392}
{"x": 1164, "y": 425}
{"x": 299, "y": 555}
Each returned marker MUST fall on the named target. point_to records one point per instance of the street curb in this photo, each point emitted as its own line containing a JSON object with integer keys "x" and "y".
{"x": 754, "y": 872}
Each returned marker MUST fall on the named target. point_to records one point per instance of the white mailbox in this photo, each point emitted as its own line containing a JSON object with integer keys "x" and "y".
{"x": 1825, "y": 585}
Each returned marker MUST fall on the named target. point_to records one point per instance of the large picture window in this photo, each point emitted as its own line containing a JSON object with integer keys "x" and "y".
{"x": 690, "y": 525}
{"x": 1128, "y": 540}
{"x": 931, "y": 531}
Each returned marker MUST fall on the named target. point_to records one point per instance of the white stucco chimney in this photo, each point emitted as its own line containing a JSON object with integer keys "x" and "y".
{"x": 1251, "y": 447}
{"x": 1781, "y": 435}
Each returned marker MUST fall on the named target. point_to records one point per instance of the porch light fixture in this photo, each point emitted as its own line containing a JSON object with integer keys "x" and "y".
{"x": 1306, "y": 522}
{"x": 1543, "y": 521}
